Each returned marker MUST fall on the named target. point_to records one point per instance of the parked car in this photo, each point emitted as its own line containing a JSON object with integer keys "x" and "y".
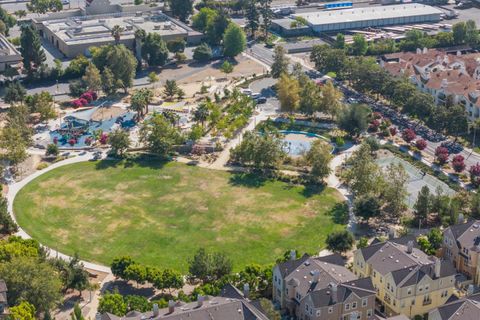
{"x": 261, "y": 100}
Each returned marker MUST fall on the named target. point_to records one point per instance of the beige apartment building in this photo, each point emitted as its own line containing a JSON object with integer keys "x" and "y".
{"x": 407, "y": 281}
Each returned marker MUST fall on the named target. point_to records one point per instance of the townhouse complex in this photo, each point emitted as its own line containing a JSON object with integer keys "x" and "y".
{"x": 463, "y": 309}
{"x": 441, "y": 74}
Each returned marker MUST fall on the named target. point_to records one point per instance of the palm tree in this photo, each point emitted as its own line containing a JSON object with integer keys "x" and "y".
{"x": 201, "y": 114}
{"x": 116, "y": 33}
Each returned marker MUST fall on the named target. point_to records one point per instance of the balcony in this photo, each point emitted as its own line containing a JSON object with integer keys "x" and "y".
{"x": 427, "y": 302}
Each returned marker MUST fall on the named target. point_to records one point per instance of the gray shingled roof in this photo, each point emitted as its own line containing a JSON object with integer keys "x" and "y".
{"x": 464, "y": 309}
{"x": 288, "y": 266}
{"x": 361, "y": 287}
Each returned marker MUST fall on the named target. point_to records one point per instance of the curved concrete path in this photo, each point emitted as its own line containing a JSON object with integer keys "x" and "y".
{"x": 15, "y": 187}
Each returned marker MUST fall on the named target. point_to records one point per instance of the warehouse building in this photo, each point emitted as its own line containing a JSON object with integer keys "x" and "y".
{"x": 377, "y": 16}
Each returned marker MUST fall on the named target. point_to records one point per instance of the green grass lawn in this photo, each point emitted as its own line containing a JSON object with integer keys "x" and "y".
{"x": 160, "y": 214}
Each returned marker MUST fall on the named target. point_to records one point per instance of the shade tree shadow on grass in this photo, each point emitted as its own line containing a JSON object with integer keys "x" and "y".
{"x": 148, "y": 162}
{"x": 311, "y": 189}
{"x": 249, "y": 180}
{"x": 339, "y": 213}
{"x": 129, "y": 288}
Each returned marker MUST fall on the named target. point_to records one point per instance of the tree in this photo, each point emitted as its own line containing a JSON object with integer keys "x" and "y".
{"x": 136, "y": 272}
{"x": 52, "y": 150}
{"x": 363, "y": 174}
{"x": 77, "y": 66}
{"x": 121, "y": 62}
{"x": 280, "y": 62}
{"x": 14, "y": 92}
{"x": 23, "y": 311}
{"x": 8, "y": 226}
{"x": 288, "y": 91}
{"x": 108, "y": 82}
{"x": 339, "y": 41}
{"x": 458, "y": 163}
{"x": 170, "y": 88}
{"x": 260, "y": 151}
{"x": 394, "y": 190}
{"x": 43, "y": 6}
{"x": 154, "y": 50}
{"x": 112, "y": 303}
{"x": 153, "y": 78}
{"x": 435, "y": 237}
{"x": 201, "y": 113}
{"x": 226, "y": 67}
{"x": 43, "y": 104}
{"x": 159, "y": 135}
{"x": 209, "y": 266}
{"x": 267, "y": 14}
{"x": 202, "y": 53}
{"x": 137, "y": 303}
{"x": 475, "y": 174}
{"x": 77, "y": 312}
{"x": 119, "y": 141}
{"x": 203, "y": 18}
{"x": 354, "y": 118}
{"x": 327, "y": 59}
{"x": 181, "y": 9}
{"x": 117, "y": 33}
{"x": 29, "y": 279}
{"x": 253, "y": 15}
{"x": 176, "y": 45}
{"x": 92, "y": 78}
{"x": 420, "y": 144}
{"x": 319, "y": 157}
{"x": 423, "y": 205}
{"x": 472, "y": 35}
{"x": 234, "y": 40}
{"x": 7, "y": 19}
{"x": 367, "y": 206}
{"x": 459, "y": 31}
{"x": 310, "y": 96}
{"x": 359, "y": 45}
{"x": 340, "y": 241}
{"x": 77, "y": 277}
{"x": 362, "y": 243}
{"x": 408, "y": 135}
{"x": 217, "y": 27}
{"x": 119, "y": 265}
{"x": 196, "y": 133}
{"x": 331, "y": 99}
{"x": 441, "y": 153}
{"x": 31, "y": 48}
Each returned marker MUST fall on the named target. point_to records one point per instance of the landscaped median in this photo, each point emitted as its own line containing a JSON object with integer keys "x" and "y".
{"x": 161, "y": 213}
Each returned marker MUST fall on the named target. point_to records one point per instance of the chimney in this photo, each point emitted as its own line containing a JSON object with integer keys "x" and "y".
{"x": 459, "y": 53}
{"x": 425, "y": 50}
{"x": 470, "y": 289}
{"x": 98, "y": 316}
{"x": 293, "y": 255}
{"x": 200, "y": 299}
{"x": 382, "y": 63}
{"x": 334, "y": 292}
{"x": 461, "y": 218}
{"x": 410, "y": 246}
{"x": 438, "y": 265}
{"x": 419, "y": 51}
{"x": 171, "y": 306}
{"x": 246, "y": 290}
{"x": 444, "y": 83}
{"x": 316, "y": 276}
{"x": 391, "y": 233}
{"x": 156, "y": 311}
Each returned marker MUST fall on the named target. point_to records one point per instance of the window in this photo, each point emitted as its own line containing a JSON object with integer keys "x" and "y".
{"x": 374, "y": 274}
{"x": 347, "y": 306}
{"x": 364, "y": 302}
{"x": 388, "y": 285}
{"x": 306, "y": 307}
{"x": 275, "y": 278}
{"x": 409, "y": 291}
{"x": 330, "y": 310}
{"x": 420, "y": 288}
{"x": 354, "y": 305}
{"x": 369, "y": 313}
{"x": 426, "y": 287}
{"x": 413, "y": 302}
{"x": 318, "y": 313}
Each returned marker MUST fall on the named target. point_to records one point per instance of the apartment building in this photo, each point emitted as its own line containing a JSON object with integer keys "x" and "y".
{"x": 461, "y": 246}
{"x": 406, "y": 280}
{"x": 321, "y": 288}
{"x": 441, "y": 74}
{"x": 461, "y": 309}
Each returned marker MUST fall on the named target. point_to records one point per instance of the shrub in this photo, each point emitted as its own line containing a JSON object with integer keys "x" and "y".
{"x": 339, "y": 142}
{"x": 77, "y": 103}
{"x": 458, "y": 163}
{"x": 87, "y": 96}
{"x": 421, "y": 144}
{"x": 42, "y": 165}
{"x": 374, "y": 125}
{"x": 72, "y": 141}
{"x": 393, "y": 131}
{"x": 408, "y": 135}
{"x": 83, "y": 101}
{"x": 103, "y": 138}
{"x": 442, "y": 155}
{"x": 88, "y": 141}
{"x": 52, "y": 149}
{"x": 377, "y": 115}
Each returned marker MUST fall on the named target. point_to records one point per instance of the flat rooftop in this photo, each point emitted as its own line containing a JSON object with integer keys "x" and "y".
{"x": 368, "y": 13}
{"x": 93, "y": 29}
{"x": 7, "y": 48}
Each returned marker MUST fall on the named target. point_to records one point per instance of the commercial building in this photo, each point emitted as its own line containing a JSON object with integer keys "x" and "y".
{"x": 75, "y": 32}
{"x": 406, "y": 280}
{"x": 9, "y": 55}
{"x": 375, "y": 16}
{"x": 441, "y": 74}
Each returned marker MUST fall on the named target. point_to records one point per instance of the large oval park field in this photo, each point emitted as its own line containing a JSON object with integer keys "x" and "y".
{"x": 161, "y": 213}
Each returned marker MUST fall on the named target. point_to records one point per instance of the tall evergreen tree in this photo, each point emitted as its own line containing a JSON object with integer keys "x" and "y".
{"x": 31, "y": 48}
{"x": 280, "y": 62}
{"x": 252, "y": 16}
{"x": 267, "y": 14}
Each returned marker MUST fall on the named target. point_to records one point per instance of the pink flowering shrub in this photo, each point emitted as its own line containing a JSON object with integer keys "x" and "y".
{"x": 458, "y": 163}
{"x": 421, "y": 144}
{"x": 408, "y": 135}
{"x": 393, "y": 131}
{"x": 103, "y": 138}
{"x": 442, "y": 155}
{"x": 475, "y": 174}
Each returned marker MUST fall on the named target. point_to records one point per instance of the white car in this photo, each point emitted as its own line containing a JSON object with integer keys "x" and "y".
{"x": 65, "y": 2}
{"x": 248, "y": 92}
